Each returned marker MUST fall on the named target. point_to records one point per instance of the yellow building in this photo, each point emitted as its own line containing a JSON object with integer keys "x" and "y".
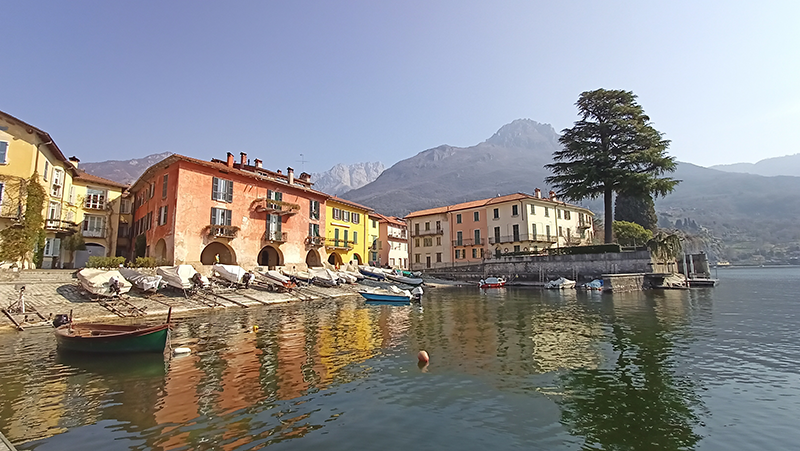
{"x": 71, "y": 195}
{"x": 347, "y": 231}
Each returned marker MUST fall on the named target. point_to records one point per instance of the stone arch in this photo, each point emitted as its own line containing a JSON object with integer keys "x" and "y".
{"x": 313, "y": 259}
{"x": 270, "y": 257}
{"x": 161, "y": 252}
{"x": 226, "y": 255}
{"x": 335, "y": 259}
{"x": 358, "y": 259}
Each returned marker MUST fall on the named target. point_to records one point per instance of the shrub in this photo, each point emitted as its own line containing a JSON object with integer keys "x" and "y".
{"x": 144, "y": 262}
{"x": 105, "y": 262}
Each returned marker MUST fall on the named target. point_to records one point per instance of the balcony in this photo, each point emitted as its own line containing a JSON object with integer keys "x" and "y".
{"x": 583, "y": 224}
{"x": 315, "y": 241}
{"x": 95, "y": 233}
{"x": 333, "y": 243}
{"x": 401, "y": 236}
{"x": 57, "y": 225}
{"x": 275, "y": 207}
{"x": 417, "y": 233}
{"x": 522, "y": 238}
{"x": 222, "y": 231}
{"x": 572, "y": 239}
{"x": 466, "y": 243}
{"x": 275, "y": 236}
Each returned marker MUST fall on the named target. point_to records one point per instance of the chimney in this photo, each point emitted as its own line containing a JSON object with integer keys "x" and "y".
{"x": 552, "y": 195}
{"x": 305, "y": 176}
{"x": 290, "y": 171}
{"x": 258, "y": 163}
{"x": 537, "y": 193}
{"x": 74, "y": 161}
{"x": 230, "y": 160}
{"x": 244, "y": 159}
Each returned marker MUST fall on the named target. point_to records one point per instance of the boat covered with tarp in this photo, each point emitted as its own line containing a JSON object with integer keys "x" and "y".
{"x": 182, "y": 277}
{"x": 231, "y": 273}
{"x": 103, "y": 282}
{"x": 140, "y": 280}
{"x": 275, "y": 277}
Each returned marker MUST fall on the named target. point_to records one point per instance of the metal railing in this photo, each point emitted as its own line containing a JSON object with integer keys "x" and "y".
{"x": 522, "y": 238}
{"x": 58, "y": 224}
{"x": 95, "y": 233}
{"x": 334, "y": 243}
{"x": 468, "y": 242}
{"x": 223, "y": 231}
{"x": 417, "y": 233}
{"x": 275, "y": 235}
{"x": 315, "y": 240}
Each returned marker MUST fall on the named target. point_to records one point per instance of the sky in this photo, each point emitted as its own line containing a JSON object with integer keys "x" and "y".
{"x": 310, "y": 84}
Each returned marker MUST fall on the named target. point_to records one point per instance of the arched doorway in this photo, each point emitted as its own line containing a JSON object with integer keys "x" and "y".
{"x": 313, "y": 259}
{"x": 92, "y": 250}
{"x": 357, "y": 258}
{"x": 161, "y": 252}
{"x": 270, "y": 257}
{"x": 226, "y": 255}
{"x": 335, "y": 259}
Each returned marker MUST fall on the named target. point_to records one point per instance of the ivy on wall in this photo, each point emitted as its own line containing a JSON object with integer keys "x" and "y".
{"x": 19, "y": 239}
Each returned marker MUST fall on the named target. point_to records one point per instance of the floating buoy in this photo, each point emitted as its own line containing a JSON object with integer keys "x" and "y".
{"x": 177, "y": 351}
{"x": 423, "y": 357}
{"x": 255, "y": 328}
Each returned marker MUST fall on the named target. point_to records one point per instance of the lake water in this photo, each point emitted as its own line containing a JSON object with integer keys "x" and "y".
{"x": 515, "y": 368}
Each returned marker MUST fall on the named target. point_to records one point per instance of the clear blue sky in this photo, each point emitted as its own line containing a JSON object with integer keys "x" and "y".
{"x": 353, "y": 81}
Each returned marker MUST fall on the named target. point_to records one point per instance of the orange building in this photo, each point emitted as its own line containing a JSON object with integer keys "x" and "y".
{"x": 192, "y": 211}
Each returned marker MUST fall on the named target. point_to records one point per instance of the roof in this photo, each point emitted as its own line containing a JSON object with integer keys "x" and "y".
{"x": 349, "y": 203}
{"x": 486, "y": 203}
{"x": 390, "y": 219}
{"x": 44, "y": 137}
{"x": 272, "y": 176}
{"x": 85, "y": 177}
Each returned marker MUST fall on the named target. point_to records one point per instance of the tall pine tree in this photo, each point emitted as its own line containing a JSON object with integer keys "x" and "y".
{"x": 639, "y": 209}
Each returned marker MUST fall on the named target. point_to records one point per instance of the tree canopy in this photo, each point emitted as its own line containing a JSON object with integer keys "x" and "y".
{"x": 631, "y": 234}
{"x": 613, "y": 148}
{"x": 636, "y": 208}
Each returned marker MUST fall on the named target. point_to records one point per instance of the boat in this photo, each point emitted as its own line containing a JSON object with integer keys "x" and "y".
{"x": 594, "y": 285}
{"x": 373, "y": 272}
{"x": 141, "y": 281}
{"x": 345, "y": 277}
{"x": 493, "y": 282}
{"x": 231, "y": 273}
{"x": 112, "y": 338}
{"x": 399, "y": 278}
{"x": 392, "y": 294}
{"x": 182, "y": 277}
{"x": 275, "y": 277}
{"x": 324, "y": 277}
{"x": 561, "y": 283}
{"x": 102, "y": 282}
{"x": 304, "y": 276}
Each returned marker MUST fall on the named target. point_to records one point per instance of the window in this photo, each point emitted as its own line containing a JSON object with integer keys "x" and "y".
{"x": 476, "y": 216}
{"x": 152, "y": 190}
{"x": 93, "y": 226}
{"x": 337, "y": 214}
{"x": 46, "y": 170}
{"x": 477, "y": 237}
{"x": 345, "y": 216}
{"x": 355, "y": 237}
{"x": 95, "y": 198}
{"x": 52, "y": 247}
{"x": 222, "y": 190}
{"x": 547, "y": 212}
{"x": 125, "y": 206}
{"x": 516, "y": 248}
{"x": 428, "y": 242}
{"x": 71, "y": 199}
{"x": 438, "y": 226}
{"x": 416, "y": 242}
{"x": 2, "y": 191}
{"x": 374, "y": 224}
{"x": 58, "y": 182}
{"x": 220, "y": 216}
{"x": 427, "y": 225}
{"x": 162, "y": 215}
{"x": 566, "y": 214}
{"x": 496, "y": 213}
{"x": 533, "y": 210}
{"x": 438, "y": 241}
{"x": 346, "y": 233}
{"x": 313, "y": 207}
{"x": 459, "y": 238}
{"x": 54, "y": 212}
{"x": 458, "y": 218}
{"x": 547, "y": 231}
{"x": 558, "y": 213}
{"x": 515, "y": 210}
{"x": 416, "y": 258}
{"x": 313, "y": 230}
{"x": 458, "y": 253}
{"x": 3, "y": 152}
{"x": 474, "y": 252}
{"x": 355, "y": 218}
{"x": 438, "y": 257}
{"x": 164, "y": 187}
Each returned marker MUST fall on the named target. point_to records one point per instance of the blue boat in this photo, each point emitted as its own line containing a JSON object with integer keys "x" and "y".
{"x": 370, "y": 271}
{"x": 386, "y": 297}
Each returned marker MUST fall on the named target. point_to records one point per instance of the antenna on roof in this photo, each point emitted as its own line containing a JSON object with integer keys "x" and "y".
{"x": 302, "y": 162}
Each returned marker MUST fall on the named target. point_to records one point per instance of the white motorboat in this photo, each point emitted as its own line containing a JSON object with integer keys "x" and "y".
{"x": 182, "y": 277}
{"x": 324, "y": 277}
{"x": 231, "y": 273}
{"x": 141, "y": 281}
{"x": 561, "y": 283}
{"x": 102, "y": 282}
{"x": 373, "y": 272}
{"x": 399, "y": 278}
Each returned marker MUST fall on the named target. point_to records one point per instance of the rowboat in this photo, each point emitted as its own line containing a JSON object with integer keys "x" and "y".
{"x": 112, "y": 338}
{"x": 182, "y": 277}
{"x": 493, "y": 282}
{"x": 403, "y": 279}
{"x": 104, "y": 283}
{"x": 141, "y": 281}
{"x": 392, "y": 294}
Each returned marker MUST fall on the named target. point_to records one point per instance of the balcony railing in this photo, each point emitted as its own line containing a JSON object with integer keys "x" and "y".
{"x": 58, "y": 225}
{"x": 275, "y": 235}
{"x": 522, "y": 238}
{"x": 95, "y": 233}
{"x": 315, "y": 241}
{"x": 416, "y": 233}
{"x": 468, "y": 242}
{"x": 333, "y": 243}
{"x": 275, "y": 207}
{"x": 223, "y": 231}
{"x": 398, "y": 236}
{"x": 573, "y": 239}
{"x": 583, "y": 224}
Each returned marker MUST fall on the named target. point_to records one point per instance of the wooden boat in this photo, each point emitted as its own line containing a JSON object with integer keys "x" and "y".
{"x": 493, "y": 282}
{"x": 399, "y": 278}
{"x": 141, "y": 281}
{"x": 182, "y": 276}
{"x": 231, "y": 273}
{"x": 112, "y": 338}
{"x": 562, "y": 283}
{"x": 392, "y": 294}
{"x": 104, "y": 283}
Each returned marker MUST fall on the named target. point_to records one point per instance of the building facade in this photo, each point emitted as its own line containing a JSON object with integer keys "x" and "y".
{"x": 347, "y": 231}
{"x": 515, "y": 224}
{"x": 192, "y": 211}
{"x": 392, "y": 248}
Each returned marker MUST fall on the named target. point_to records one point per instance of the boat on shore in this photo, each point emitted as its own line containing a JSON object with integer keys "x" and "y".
{"x": 372, "y": 272}
{"x": 400, "y": 278}
{"x": 275, "y": 277}
{"x": 493, "y": 282}
{"x": 304, "y": 276}
{"x": 141, "y": 281}
{"x": 102, "y": 282}
{"x": 324, "y": 277}
{"x": 230, "y": 273}
{"x": 182, "y": 277}
{"x": 562, "y": 283}
{"x": 112, "y": 338}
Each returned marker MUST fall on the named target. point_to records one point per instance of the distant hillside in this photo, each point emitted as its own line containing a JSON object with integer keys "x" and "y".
{"x": 123, "y": 171}
{"x": 342, "y": 178}
{"x": 786, "y": 165}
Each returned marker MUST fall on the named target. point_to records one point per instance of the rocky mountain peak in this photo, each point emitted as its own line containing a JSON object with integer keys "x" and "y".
{"x": 525, "y": 133}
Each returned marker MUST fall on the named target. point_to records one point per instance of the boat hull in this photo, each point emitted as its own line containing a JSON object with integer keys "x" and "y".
{"x": 92, "y": 338}
{"x": 493, "y": 285}
{"x": 385, "y": 297}
{"x": 404, "y": 279}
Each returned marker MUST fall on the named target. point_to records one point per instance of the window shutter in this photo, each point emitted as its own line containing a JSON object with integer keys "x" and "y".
{"x": 215, "y": 189}
{"x": 229, "y": 193}
{"x": 228, "y": 215}
{"x": 56, "y": 247}
{"x": 213, "y": 215}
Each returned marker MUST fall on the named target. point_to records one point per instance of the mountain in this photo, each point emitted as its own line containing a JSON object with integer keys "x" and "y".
{"x": 751, "y": 218}
{"x": 342, "y": 178}
{"x": 123, "y": 171}
{"x": 786, "y": 165}
{"x": 510, "y": 161}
